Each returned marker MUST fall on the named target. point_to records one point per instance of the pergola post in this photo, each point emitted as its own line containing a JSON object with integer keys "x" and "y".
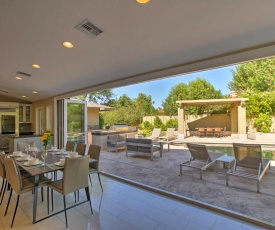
{"x": 181, "y": 123}
{"x": 242, "y": 120}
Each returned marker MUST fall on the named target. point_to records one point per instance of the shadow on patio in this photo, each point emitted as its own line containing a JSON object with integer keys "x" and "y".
{"x": 163, "y": 173}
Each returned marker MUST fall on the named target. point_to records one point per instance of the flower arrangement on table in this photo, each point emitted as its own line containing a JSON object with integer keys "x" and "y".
{"x": 46, "y": 139}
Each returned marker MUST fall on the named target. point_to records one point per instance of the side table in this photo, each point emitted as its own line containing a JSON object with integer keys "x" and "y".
{"x": 225, "y": 160}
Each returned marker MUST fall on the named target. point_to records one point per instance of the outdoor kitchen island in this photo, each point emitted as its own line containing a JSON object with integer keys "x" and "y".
{"x": 99, "y": 137}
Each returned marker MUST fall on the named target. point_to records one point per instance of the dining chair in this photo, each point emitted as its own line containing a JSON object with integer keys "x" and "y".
{"x": 75, "y": 177}
{"x": 94, "y": 152}
{"x": 3, "y": 176}
{"x": 18, "y": 184}
{"x": 81, "y": 148}
{"x": 70, "y": 146}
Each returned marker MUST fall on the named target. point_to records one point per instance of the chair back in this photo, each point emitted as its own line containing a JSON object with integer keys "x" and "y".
{"x": 248, "y": 155}
{"x": 94, "y": 152}
{"x": 75, "y": 174}
{"x": 2, "y": 166}
{"x": 70, "y": 145}
{"x": 156, "y": 132}
{"x": 13, "y": 175}
{"x": 198, "y": 152}
{"x": 81, "y": 148}
{"x": 170, "y": 132}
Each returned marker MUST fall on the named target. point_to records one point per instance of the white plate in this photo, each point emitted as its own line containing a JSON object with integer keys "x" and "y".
{"x": 74, "y": 157}
{"x": 58, "y": 164}
{"x": 17, "y": 154}
{"x": 53, "y": 150}
{"x": 32, "y": 164}
{"x": 23, "y": 159}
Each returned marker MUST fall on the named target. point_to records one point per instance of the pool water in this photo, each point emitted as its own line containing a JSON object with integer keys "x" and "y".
{"x": 270, "y": 154}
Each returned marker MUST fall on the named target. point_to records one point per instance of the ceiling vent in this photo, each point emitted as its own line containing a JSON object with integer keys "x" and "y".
{"x": 24, "y": 74}
{"x": 89, "y": 29}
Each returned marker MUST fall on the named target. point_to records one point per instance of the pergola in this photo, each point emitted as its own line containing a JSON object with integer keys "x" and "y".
{"x": 237, "y": 110}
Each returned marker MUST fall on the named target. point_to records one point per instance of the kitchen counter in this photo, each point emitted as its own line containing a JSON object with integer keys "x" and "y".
{"x": 24, "y": 136}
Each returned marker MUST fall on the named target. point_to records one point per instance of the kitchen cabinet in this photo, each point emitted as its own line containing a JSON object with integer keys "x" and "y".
{"x": 25, "y": 113}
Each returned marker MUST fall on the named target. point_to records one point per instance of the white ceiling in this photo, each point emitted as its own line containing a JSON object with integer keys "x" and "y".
{"x": 140, "y": 42}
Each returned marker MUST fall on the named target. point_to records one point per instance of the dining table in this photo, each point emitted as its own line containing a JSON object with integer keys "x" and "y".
{"x": 42, "y": 168}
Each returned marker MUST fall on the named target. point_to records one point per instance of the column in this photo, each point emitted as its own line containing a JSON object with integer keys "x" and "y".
{"x": 181, "y": 123}
{"x": 242, "y": 120}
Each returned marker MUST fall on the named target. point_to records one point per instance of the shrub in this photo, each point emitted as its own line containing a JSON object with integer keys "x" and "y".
{"x": 157, "y": 122}
{"x": 262, "y": 123}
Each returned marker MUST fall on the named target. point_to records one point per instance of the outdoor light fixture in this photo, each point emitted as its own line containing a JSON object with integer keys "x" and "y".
{"x": 142, "y": 1}
{"x": 68, "y": 44}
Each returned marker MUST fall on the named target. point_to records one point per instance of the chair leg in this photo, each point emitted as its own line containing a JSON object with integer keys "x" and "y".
{"x": 8, "y": 203}
{"x": 15, "y": 210}
{"x": 2, "y": 187}
{"x": 52, "y": 198}
{"x": 48, "y": 204}
{"x": 90, "y": 179}
{"x": 4, "y": 190}
{"x": 89, "y": 198}
{"x": 100, "y": 181}
{"x": 65, "y": 210}
{"x": 42, "y": 194}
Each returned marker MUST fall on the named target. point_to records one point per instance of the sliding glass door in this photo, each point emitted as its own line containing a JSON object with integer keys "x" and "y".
{"x": 72, "y": 121}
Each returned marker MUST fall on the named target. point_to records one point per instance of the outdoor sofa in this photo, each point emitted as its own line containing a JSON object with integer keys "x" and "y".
{"x": 116, "y": 141}
{"x": 143, "y": 145}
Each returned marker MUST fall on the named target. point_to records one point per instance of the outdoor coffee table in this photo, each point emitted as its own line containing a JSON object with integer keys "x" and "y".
{"x": 225, "y": 160}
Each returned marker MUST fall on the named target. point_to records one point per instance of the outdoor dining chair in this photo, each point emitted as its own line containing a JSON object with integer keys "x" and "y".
{"x": 3, "y": 176}
{"x": 200, "y": 158}
{"x": 249, "y": 163}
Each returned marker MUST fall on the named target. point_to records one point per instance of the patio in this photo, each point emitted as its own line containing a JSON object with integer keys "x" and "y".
{"x": 163, "y": 173}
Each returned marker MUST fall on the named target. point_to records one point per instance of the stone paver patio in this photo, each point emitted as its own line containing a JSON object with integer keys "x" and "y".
{"x": 163, "y": 173}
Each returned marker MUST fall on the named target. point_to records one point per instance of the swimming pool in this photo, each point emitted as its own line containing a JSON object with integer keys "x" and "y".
{"x": 267, "y": 151}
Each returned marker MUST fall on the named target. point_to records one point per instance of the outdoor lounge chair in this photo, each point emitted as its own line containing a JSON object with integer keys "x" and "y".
{"x": 155, "y": 134}
{"x": 249, "y": 163}
{"x": 200, "y": 158}
{"x": 169, "y": 135}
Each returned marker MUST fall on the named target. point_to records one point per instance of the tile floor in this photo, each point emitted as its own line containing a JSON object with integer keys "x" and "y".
{"x": 120, "y": 206}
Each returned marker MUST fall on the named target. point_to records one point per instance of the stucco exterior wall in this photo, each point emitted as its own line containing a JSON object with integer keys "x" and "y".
{"x": 93, "y": 116}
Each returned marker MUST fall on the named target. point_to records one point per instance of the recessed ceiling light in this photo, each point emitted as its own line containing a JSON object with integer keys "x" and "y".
{"x": 68, "y": 44}
{"x": 142, "y": 1}
{"x": 34, "y": 91}
{"x": 36, "y": 66}
{"x": 18, "y": 78}
{"x": 23, "y": 96}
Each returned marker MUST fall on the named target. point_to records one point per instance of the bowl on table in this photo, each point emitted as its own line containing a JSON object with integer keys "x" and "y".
{"x": 73, "y": 154}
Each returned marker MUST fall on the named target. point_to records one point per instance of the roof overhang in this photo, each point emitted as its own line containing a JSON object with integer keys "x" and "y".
{"x": 229, "y": 101}
{"x": 100, "y": 107}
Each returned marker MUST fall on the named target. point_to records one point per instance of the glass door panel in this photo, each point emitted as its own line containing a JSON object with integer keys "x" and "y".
{"x": 75, "y": 122}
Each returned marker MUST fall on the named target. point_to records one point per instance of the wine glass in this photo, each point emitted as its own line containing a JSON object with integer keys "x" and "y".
{"x": 27, "y": 148}
{"x": 44, "y": 156}
{"x": 35, "y": 151}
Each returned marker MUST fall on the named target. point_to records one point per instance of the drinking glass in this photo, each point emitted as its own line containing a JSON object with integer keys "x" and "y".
{"x": 35, "y": 150}
{"x": 44, "y": 156}
{"x": 27, "y": 148}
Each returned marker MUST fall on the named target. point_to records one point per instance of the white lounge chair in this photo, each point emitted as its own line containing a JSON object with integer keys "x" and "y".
{"x": 200, "y": 158}
{"x": 247, "y": 158}
{"x": 169, "y": 135}
{"x": 155, "y": 134}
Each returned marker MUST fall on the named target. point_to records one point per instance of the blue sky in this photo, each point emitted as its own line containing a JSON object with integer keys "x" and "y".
{"x": 159, "y": 89}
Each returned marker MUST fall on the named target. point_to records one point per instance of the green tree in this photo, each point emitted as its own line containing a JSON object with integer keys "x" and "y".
{"x": 256, "y": 81}
{"x": 157, "y": 122}
{"x": 195, "y": 90}
{"x": 124, "y": 101}
{"x": 103, "y": 97}
{"x": 255, "y": 76}
{"x": 144, "y": 105}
